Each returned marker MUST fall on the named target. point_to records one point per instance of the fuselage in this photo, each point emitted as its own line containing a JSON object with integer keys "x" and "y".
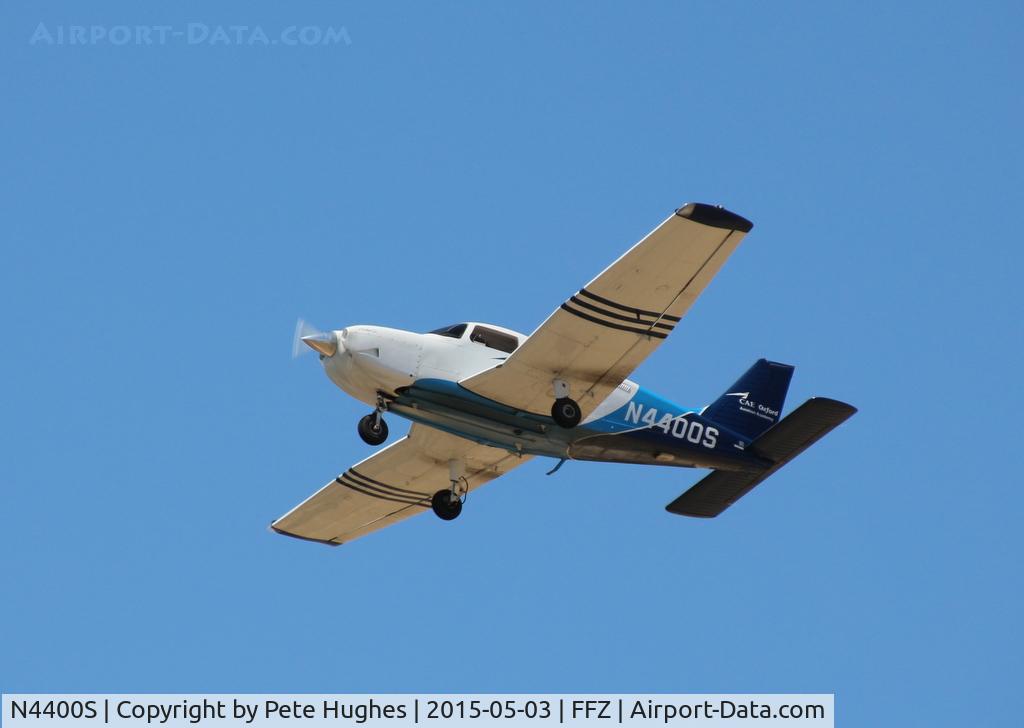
{"x": 417, "y": 374}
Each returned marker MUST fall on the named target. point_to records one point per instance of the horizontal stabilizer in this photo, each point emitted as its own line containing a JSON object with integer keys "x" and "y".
{"x": 800, "y": 429}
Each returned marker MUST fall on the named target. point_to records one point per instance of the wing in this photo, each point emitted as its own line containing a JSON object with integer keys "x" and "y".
{"x": 600, "y": 335}
{"x": 392, "y": 484}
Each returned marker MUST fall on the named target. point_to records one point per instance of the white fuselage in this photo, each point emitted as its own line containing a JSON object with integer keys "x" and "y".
{"x": 372, "y": 359}
{"x": 377, "y": 359}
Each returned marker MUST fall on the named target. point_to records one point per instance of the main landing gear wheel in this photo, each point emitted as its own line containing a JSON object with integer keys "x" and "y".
{"x": 565, "y": 412}
{"x": 373, "y": 429}
{"x": 447, "y": 505}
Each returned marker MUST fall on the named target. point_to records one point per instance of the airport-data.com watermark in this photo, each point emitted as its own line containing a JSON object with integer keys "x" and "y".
{"x": 189, "y": 34}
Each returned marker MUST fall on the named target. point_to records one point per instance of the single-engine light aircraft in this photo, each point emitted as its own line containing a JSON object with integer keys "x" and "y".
{"x": 484, "y": 399}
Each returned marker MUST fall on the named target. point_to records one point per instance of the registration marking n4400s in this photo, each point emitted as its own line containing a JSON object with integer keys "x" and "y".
{"x": 676, "y": 425}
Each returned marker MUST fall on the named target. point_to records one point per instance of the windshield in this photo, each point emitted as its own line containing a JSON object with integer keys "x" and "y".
{"x": 455, "y": 331}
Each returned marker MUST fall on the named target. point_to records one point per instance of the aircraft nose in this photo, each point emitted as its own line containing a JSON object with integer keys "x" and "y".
{"x": 325, "y": 343}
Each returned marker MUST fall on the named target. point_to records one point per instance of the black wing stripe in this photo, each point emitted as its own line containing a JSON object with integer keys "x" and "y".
{"x": 352, "y": 485}
{"x": 619, "y": 316}
{"x": 419, "y": 497}
{"x": 360, "y": 478}
{"x": 595, "y": 320}
{"x": 630, "y": 309}
{"x": 347, "y": 484}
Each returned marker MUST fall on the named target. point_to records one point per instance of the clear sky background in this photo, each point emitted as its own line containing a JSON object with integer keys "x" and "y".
{"x": 166, "y": 213}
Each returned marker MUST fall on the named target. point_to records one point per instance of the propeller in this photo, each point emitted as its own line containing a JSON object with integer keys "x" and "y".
{"x": 308, "y": 335}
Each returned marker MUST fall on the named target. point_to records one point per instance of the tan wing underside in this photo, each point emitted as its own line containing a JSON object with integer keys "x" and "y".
{"x": 599, "y": 336}
{"x": 391, "y": 485}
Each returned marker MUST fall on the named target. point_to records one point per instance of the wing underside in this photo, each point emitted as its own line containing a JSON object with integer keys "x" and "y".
{"x": 391, "y": 485}
{"x": 599, "y": 336}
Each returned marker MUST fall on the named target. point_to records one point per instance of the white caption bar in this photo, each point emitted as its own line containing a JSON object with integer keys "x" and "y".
{"x": 404, "y": 711}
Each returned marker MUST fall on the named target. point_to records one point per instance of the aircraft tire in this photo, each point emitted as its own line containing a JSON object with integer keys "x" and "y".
{"x": 565, "y": 412}
{"x": 446, "y": 508}
{"x": 371, "y": 432}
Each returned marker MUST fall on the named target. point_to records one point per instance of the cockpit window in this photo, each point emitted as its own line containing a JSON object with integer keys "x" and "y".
{"x": 456, "y": 331}
{"x": 494, "y": 339}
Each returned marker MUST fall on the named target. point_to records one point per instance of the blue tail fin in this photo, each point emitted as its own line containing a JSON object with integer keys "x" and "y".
{"x": 754, "y": 402}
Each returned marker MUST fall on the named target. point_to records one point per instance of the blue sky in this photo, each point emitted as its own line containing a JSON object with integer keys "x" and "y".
{"x": 168, "y": 211}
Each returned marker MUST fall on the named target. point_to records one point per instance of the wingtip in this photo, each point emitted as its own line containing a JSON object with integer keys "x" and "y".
{"x": 714, "y": 216}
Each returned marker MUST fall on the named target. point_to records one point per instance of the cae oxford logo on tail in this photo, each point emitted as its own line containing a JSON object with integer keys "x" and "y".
{"x": 484, "y": 399}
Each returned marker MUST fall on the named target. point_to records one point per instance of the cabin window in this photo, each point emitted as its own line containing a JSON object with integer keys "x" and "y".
{"x": 494, "y": 339}
{"x": 456, "y": 331}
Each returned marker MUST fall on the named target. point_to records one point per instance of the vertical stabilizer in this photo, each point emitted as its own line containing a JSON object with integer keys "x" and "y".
{"x": 754, "y": 402}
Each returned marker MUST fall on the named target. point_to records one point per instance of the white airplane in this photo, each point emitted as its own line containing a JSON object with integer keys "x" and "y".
{"x": 484, "y": 399}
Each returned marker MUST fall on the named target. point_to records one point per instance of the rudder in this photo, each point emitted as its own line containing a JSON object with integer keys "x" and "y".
{"x": 754, "y": 402}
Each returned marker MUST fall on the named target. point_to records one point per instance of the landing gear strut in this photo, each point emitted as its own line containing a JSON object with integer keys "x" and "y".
{"x": 372, "y": 428}
{"x": 565, "y": 411}
{"x": 447, "y": 503}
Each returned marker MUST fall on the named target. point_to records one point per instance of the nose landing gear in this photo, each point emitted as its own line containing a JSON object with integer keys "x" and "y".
{"x": 372, "y": 428}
